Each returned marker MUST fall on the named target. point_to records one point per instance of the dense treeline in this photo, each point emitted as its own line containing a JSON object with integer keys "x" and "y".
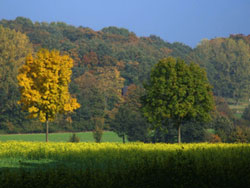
{"x": 113, "y": 58}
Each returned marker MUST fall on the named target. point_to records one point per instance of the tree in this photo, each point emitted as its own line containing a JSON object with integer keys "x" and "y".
{"x": 227, "y": 63}
{"x": 246, "y": 113}
{"x": 92, "y": 101}
{"x": 120, "y": 122}
{"x": 43, "y": 82}
{"x": 240, "y": 134}
{"x": 222, "y": 119}
{"x": 110, "y": 83}
{"x": 14, "y": 47}
{"x": 128, "y": 120}
{"x": 99, "y": 93}
{"x": 177, "y": 92}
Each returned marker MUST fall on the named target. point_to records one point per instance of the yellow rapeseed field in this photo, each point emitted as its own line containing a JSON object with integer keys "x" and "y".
{"x": 68, "y": 151}
{"x": 39, "y": 164}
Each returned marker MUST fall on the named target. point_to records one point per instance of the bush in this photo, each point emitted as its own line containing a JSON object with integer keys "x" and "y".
{"x": 97, "y": 134}
{"x": 98, "y": 131}
{"x": 74, "y": 138}
{"x": 212, "y": 138}
{"x": 246, "y": 113}
{"x": 240, "y": 134}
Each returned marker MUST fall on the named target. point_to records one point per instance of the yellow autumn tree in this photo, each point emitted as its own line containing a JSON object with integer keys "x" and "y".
{"x": 43, "y": 82}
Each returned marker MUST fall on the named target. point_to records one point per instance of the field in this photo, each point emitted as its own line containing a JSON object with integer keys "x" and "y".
{"x": 108, "y": 136}
{"x": 39, "y": 164}
{"x": 237, "y": 109}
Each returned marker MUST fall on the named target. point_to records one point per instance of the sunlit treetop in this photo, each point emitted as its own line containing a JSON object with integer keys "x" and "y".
{"x": 43, "y": 81}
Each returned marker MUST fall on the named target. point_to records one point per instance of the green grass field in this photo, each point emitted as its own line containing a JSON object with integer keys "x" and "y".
{"x": 239, "y": 108}
{"x": 108, "y": 136}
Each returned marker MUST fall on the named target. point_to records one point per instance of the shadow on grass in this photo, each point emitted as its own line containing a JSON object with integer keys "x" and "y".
{"x": 43, "y": 174}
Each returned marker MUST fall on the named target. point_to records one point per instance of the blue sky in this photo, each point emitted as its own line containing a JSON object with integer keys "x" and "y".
{"x": 186, "y": 21}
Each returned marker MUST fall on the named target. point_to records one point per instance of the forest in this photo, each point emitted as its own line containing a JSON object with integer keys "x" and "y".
{"x": 110, "y": 69}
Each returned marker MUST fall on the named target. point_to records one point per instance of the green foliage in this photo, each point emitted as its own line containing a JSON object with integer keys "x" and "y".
{"x": 116, "y": 31}
{"x": 117, "y": 43}
{"x": 222, "y": 108}
{"x": 246, "y": 113}
{"x": 91, "y": 99}
{"x": 240, "y": 134}
{"x": 178, "y": 92}
{"x": 14, "y": 47}
{"x": 115, "y": 50}
{"x": 98, "y": 130}
{"x": 121, "y": 122}
{"x": 132, "y": 56}
{"x": 74, "y": 138}
{"x": 128, "y": 119}
{"x": 212, "y": 138}
{"x": 130, "y": 124}
{"x": 222, "y": 120}
{"x": 191, "y": 132}
{"x": 227, "y": 63}
{"x": 97, "y": 134}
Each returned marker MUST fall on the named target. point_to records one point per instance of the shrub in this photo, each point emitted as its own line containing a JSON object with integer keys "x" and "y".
{"x": 98, "y": 131}
{"x": 74, "y": 138}
{"x": 97, "y": 134}
{"x": 212, "y": 138}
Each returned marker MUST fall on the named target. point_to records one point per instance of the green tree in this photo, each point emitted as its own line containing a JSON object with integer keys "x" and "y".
{"x": 178, "y": 92}
{"x": 128, "y": 119}
{"x": 14, "y": 47}
{"x": 92, "y": 102}
{"x": 43, "y": 82}
{"x": 246, "y": 113}
{"x": 222, "y": 119}
{"x": 120, "y": 122}
{"x": 227, "y": 62}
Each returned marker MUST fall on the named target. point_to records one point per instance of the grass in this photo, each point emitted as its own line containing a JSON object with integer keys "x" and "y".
{"x": 212, "y": 131}
{"x": 238, "y": 109}
{"x": 108, "y": 136}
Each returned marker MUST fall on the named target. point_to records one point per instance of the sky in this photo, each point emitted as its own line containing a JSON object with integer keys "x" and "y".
{"x": 185, "y": 21}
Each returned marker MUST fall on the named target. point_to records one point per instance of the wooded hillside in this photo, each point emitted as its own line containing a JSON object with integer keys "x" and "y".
{"x": 106, "y": 61}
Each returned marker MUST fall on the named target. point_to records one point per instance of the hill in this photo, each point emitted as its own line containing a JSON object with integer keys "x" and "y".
{"x": 106, "y": 61}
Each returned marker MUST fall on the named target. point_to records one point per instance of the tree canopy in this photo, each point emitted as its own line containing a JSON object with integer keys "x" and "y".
{"x": 246, "y": 113}
{"x": 227, "y": 62}
{"x": 128, "y": 119}
{"x": 14, "y": 47}
{"x": 177, "y": 92}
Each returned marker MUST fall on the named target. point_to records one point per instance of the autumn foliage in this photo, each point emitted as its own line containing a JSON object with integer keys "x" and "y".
{"x": 43, "y": 82}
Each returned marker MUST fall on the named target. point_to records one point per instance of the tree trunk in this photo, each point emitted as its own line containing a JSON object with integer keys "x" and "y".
{"x": 47, "y": 128}
{"x": 179, "y": 133}
{"x": 123, "y": 138}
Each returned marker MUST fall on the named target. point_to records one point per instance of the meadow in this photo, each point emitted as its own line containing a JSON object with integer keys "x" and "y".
{"x": 58, "y": 164}
{"x": 239, "y": 108}
{"x": 108, "y": 136}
